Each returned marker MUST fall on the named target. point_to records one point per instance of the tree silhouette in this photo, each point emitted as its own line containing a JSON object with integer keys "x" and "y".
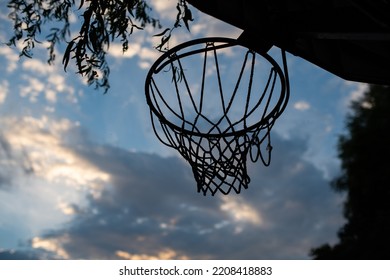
{"x": 365, "y": 154}
{"x": 102, "y": 21}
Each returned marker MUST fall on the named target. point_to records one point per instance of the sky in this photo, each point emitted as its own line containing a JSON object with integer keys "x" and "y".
{"x": 82, "y": 175}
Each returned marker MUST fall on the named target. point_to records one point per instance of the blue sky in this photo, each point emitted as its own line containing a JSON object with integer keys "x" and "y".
{"x": 82, "y": 174}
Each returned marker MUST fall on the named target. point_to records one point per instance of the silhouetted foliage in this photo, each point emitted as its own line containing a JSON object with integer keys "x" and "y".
{"x": 102, "y": 21}
{"x": 365, "y": 177}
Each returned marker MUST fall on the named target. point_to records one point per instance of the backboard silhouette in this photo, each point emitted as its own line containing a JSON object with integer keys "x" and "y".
{"x": 349, "y": 38}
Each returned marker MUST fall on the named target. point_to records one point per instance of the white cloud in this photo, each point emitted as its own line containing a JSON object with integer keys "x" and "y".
{"x": 165, "y": 254}
{"x": 301, "y": 105}
{"x": 116, "y": 50}
{"x": 356, "y": 92}
{"x": 37, "y": 66}
{"x": 43, "y": 179}
{"x": 11, "y": 56}
{"x": 67, "y": 208}
{"x": 57, "y": 81}
{"x": 51, "y": 96}
{"x": 149, "y": 54}
{"x": 241, "y": 211}
{"x": 51, "y": 245}
{"x": 49, "y": 157}
{"x": 33, "y": 89}
{"x": 44, "y": 79}
{"x": 144, "y": 65}
{"x": 165, "y": 8}
{"x": 4, "y": 88}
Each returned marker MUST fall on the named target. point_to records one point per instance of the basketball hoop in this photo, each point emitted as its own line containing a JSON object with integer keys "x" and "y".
{"x": 216, "y": 114}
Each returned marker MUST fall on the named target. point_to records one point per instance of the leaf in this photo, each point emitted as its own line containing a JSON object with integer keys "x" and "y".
{"x": 139, "y": 28}
{"x": 164, "y": 40}
{"x": 65, "y": 59}
{"x": 94, "y": 62}
{"x": 162, "y": 33}
{"x": 81, "y": 4}
{"x": 187, "y": 17}
{"x": 103, "y": 4}
{"x": 177, "y": 22}
{"x": 26, "y": 52}
{"x": 186, "y": 24}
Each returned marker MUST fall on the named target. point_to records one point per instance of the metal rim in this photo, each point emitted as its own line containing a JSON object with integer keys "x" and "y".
{"x": 159, "y": 64}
